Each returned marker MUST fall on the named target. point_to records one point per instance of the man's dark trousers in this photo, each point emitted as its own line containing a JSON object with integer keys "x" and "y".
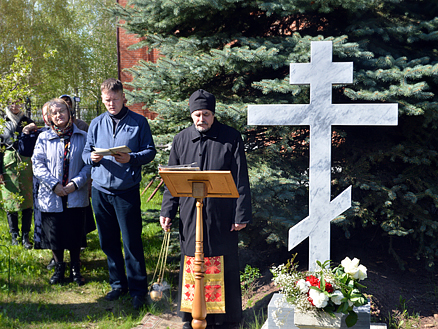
{"x": 115, "y": 214}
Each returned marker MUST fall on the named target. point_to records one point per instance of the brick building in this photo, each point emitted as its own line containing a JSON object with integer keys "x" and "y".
{"x": 128, "y": 58}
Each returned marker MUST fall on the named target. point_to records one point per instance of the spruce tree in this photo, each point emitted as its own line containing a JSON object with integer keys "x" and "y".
{"x": 241, "y": 50}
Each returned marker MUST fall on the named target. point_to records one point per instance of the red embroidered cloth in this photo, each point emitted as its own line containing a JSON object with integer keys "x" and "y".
{"x": 213, "y": 284}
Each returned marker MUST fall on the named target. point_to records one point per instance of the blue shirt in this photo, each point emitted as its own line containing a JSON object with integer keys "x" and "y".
{"x": 108, "y": 175}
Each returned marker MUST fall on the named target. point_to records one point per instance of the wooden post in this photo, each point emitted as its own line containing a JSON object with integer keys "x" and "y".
{"x": 199, "y": 309}
{"x": 199, "y": 185}
{"x": 149, "y": 185}
{"x": 156, "y": 190}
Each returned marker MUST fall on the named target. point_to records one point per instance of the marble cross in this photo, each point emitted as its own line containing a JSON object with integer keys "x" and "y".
{"x": 321, "y": 115}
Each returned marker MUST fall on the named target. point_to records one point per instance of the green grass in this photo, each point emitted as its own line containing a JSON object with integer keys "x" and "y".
{"x": 257, "y": 322}
{"x": 27, "y": 300}
{"x": 400, "y": 317}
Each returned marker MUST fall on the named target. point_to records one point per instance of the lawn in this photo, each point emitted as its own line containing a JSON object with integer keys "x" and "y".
{"x": 27, "y": 300}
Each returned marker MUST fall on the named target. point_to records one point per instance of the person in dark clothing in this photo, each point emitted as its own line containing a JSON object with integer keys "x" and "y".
{"x": 115, "y": 191}
{"x": 16, "y": 179}
{"x": 214, "y": 146}
{"x": 26, "y": 145}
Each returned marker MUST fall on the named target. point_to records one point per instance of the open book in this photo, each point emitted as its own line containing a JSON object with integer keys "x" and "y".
{"x": 184, "y": 167}
{"x": 112, "y": 150}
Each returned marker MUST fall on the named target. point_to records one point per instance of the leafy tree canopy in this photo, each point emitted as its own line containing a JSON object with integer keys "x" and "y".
{"x": 79, "y": 35}
{"x": 14, "y": 83}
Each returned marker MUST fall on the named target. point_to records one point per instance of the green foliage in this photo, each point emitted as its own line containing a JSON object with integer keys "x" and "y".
{"x": 72, "y": 44}
{"x": 248, "y": 280}
{"x": 14, "y": 86}
{"x": 259, "y": 320}
{"x": 14, "y": 83}
{"x": 400, "y": 317}
{"x": 241, "y": 51}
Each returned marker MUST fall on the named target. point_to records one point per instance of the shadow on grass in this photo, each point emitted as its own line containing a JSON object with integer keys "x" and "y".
{"x": 258, "y": 313}
{"x": 31, "y": 302}
{"x": 37, "y": 287}
{"x": 44, "y": 313}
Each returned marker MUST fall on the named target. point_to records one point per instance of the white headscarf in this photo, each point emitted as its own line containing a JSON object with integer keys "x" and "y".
{"x": 15, "y": 118}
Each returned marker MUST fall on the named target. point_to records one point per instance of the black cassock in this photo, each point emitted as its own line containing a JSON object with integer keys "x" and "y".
{"x": 220, "y": 148}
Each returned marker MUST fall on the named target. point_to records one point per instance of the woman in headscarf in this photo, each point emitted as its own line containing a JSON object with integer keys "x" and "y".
{"x": 81, "y": 124}
{"x": 16, "y": 175}
{"x": 90, "y": 224}
{"x": 62, "y": 193}
{"x": 27, "y": 142}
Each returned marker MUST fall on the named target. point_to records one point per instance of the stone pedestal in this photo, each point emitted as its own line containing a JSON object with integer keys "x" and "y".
{"x": 310, "y": 320}
{"x": 287, "y": 316}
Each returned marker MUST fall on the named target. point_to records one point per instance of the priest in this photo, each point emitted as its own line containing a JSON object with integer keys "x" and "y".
{"x": 213, "y": 146}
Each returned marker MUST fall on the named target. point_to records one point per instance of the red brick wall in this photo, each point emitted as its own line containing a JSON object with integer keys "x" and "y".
{"x": 129, "y": 58}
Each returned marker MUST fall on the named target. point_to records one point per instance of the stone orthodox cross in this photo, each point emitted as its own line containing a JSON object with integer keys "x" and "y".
{"x": 321, "y": 115}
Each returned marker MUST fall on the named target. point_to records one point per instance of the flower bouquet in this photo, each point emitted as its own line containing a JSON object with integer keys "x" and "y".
{"x": 328, "y": 290}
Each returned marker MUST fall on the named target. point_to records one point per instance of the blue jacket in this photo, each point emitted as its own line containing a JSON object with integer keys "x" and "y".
{"x": 110, "y": 176}
{"x": 47, "y": 164}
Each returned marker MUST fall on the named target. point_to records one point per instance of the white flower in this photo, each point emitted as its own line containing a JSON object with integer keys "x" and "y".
{"x": 352, "y": 267}
{"x": 337, "y": 297}
{"x": 362, "y": 273}
{"x": 319, "y": 299}
{"x": 276, "y": 319}
{"x": 303, "y": 285}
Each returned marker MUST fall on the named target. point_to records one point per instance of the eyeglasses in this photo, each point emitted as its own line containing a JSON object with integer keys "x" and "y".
{"x": 55, "y": 110}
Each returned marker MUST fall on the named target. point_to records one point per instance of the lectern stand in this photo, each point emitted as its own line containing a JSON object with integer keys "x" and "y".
{"x": 199, "y": 185}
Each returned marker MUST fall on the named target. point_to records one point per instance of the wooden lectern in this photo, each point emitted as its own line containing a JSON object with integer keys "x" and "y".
{"x": 199, "y": 185}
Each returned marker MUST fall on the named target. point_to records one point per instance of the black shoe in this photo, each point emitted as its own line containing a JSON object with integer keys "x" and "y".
{"x": 115, "y": 294}
{"x": 75, "y": 274}
{"x": 14, "y": 239}
{"x": 138, "y": 302}
{"x": 58, "y": 276}
{"x": 26, "y": 242}
{"x": 51, "y": 264}
{"x": 187, "y": 325}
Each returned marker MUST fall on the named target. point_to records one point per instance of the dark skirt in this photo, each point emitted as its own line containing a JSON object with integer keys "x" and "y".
{"x": 63, "y": 230}
{"x": 42, "y": 242}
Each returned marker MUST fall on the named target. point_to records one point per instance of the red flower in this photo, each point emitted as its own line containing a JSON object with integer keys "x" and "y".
{"x": 314, "y": 281}
{"x": 328, "y": 287}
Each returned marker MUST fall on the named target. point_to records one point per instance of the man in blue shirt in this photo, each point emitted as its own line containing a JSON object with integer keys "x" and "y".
{"x": 115, "y": 190}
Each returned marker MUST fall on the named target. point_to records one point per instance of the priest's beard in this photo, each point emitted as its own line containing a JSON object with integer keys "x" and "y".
{"x": 202, "y": 129}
